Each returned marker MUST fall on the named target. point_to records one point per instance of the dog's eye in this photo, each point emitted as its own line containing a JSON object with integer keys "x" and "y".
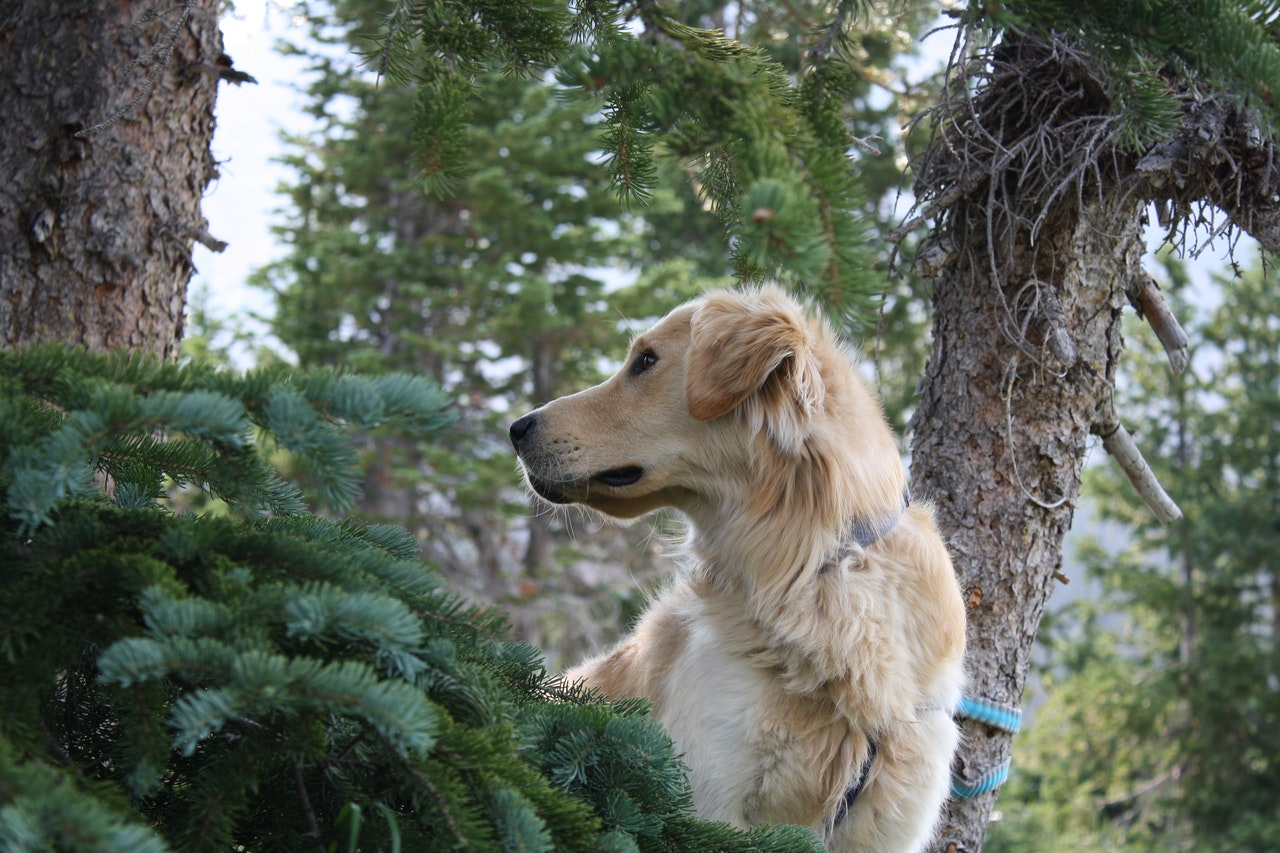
{"x": 643, "y": 362}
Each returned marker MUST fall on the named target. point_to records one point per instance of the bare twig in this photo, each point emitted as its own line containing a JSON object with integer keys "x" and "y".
{"x": 313, "y": 825}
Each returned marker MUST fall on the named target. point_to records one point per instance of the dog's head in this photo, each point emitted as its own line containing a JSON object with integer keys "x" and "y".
{"x": 718, "y": 390}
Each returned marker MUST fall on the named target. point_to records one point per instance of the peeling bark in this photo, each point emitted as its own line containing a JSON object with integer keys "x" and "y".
{"x": 96, "y": 231}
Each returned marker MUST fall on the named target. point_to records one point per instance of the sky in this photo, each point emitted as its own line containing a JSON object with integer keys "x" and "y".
{"x": 241, "y": 204}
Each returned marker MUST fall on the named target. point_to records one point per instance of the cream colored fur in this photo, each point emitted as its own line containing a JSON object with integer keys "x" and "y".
{"x": 770, "y": 667}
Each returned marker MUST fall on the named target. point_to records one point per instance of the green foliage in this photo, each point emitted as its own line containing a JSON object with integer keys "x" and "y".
{"x": 262, "y": 677}
{"x": 767, "y": 151}
{"x": 445, "y": 46}
{"x": 137, "y": 421}
{"x": 1207, "y": 45}
{"x": 1162, "y": 724}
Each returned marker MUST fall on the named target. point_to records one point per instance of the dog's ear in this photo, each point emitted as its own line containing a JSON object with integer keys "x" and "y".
{"x": 744, "y": 344}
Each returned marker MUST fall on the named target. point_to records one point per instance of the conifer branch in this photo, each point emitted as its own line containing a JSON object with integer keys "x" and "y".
{"x": 834, "y": 33}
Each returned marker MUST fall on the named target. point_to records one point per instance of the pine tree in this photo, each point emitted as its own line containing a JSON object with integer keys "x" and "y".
{"x": 1162, "y": 717}
{"x": 1061, "y": 127}
{"x": 255, "y": 676}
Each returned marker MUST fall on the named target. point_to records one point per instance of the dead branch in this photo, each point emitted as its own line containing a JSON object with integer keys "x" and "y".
{"x": 1117, "y": 441}
{"x": 1142, "y": 790}
{"x": 1221, "y": 155}
{"x": 1147, "y": 299}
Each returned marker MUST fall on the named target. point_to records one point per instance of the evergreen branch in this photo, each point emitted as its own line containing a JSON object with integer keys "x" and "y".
{"x": 44, "y": 810}
{"x": 1214, "y": 44}
{"x": 835, "y": 33}
{"x": 630, "y": 157}
{"x": 518, "y": 824}
{"x": 321, "y": 448}
{"x": 185, "y": 617}
{"x": 399, "y": 31}
{"x": 138, "y": 419}
{"x": 218, "y": 799}
{"x": 386, "y": 623}
{"x": 443, "y": 47}
{"x": 397, "y": 542}
{"x": 257, "y": 683}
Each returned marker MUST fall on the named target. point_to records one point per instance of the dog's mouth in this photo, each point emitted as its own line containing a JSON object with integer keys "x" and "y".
{"x": 576, "y": 491}
{"x": 549, "y": 492}
{"x": 559, "y": 493}
{"x": 618, "y": 477}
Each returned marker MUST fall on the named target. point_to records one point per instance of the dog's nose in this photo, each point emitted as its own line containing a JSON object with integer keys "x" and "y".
{"x": 520, "y": 430}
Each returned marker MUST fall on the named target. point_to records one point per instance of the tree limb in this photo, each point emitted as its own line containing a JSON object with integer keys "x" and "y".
{"x": 1142, "y": 790}
{"x": 1221, "y": 154}
{"x": 1120, "y": 444}
{"x": 1145, "y": 296}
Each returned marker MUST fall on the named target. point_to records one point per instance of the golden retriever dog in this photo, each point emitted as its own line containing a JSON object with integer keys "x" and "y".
{"x": 807, "y": 660}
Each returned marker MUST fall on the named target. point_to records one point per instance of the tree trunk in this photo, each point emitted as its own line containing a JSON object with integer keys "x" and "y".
{"x": 1026, "y": 341}
{"x": 999, "y": 441}
{"x": 96, "y": 230}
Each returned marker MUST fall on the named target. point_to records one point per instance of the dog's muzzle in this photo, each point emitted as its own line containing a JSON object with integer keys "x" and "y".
{"x": 523, "y": 433}
{"x": 524, "y": 439}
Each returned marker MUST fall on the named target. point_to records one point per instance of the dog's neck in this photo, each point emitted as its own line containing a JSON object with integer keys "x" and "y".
{"x": 865, "y": 530}
{"x": 773, "y": 562}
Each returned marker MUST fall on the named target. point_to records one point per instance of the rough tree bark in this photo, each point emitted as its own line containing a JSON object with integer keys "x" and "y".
{"x": 96, "y": 230}
{"x": 1037, "y": 249}
{"x": 1038, "y": 242}
{"x": 999, "y": 439}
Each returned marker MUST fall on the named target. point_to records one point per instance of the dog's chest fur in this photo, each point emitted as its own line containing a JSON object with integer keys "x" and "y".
{"x": 749, "y": 742}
